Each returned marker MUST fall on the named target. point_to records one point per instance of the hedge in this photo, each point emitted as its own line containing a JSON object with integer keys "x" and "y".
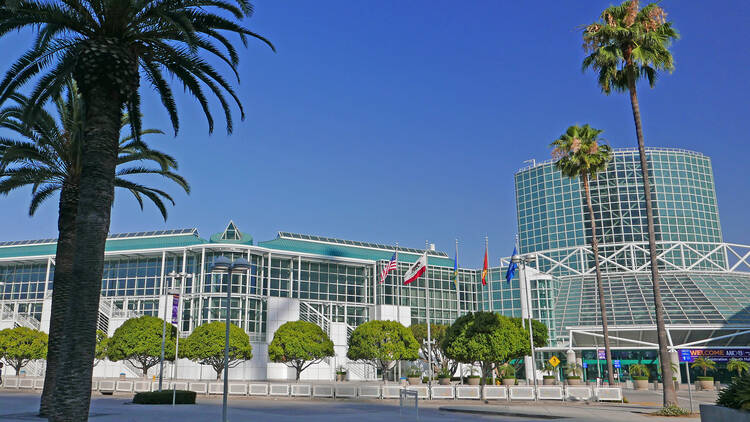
{"x": 165, "y": 397}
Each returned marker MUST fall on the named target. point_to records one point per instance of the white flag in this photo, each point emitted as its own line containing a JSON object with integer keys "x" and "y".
{"x": 416, "y": 270}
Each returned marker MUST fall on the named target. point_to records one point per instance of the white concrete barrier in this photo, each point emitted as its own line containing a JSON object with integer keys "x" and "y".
{"x": 608, "y": 394}
{"x": 279, "y": 390}
{"x": 124, "y": 386}
{"x": 155, "y": 385}
{"x": 468, "y": 392}
{"x": 391, "y": 391}
{"x": 301, "y": 390}
{"x": 550, "y": 393}
{"x": 39, "y": 384}
{"x": 178, "y": 385}
{"x": 198, "y": 387}
{"x": 107, "y": 386}
{"x": 322, "y": 391}
{"x": 142, "y": 386}
{"x": 578, "y": 393}
{"x": 442, "y": 392}
{"x": 495, "y": 392}
{"x": 258, "y": 389}
{"x": 94, "y": 385}
{"x": 10, "y": 382}
{"x": 369, "y": 391}
{"x": 516, "y": 392}
{"x": 216, "y": 388}
{"x": 26, "y": 383}
{"x": 237, "y": 389}
{"x": 422, "y": 391}
{"x": 345, "y": 391}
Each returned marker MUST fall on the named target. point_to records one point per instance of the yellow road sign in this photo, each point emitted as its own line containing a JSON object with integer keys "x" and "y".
{"x": 554, "y": 361}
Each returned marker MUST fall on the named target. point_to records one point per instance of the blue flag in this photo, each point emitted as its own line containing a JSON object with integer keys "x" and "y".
{"x": 511, "y": 267}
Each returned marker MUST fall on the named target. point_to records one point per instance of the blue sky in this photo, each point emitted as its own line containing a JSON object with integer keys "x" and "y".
{"x": 405, "y": 121}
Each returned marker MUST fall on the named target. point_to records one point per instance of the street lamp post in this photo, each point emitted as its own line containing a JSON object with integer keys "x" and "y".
{"x": 177, "y": 276}
{"x": 224, "y": 265}
{"x": 526, "y": 297}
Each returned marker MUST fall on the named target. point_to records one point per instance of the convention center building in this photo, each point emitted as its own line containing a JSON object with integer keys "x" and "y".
{"x": 336, "y": 284}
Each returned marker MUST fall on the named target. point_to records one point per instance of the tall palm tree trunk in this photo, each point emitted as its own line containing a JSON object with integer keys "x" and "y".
{"x": 103, "y": 104}
{"x": 61, "y": 289}
{"x": 670, "y": 396}
{"x": 599, "y": 286}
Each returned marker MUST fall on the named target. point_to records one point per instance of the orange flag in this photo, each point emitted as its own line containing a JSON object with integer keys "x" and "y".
{"x": 484, "y": 269}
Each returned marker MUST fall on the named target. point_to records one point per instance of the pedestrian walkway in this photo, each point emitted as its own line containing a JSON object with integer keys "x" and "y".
{"x": 22, "y": 406}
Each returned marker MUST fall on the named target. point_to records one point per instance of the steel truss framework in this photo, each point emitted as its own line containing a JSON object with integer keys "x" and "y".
{"x": 698, "y": 336}
{"x": 633, "y": 257}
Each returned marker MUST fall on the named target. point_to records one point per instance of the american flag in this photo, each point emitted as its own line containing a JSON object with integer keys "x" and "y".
{"x": 392, "y": 264}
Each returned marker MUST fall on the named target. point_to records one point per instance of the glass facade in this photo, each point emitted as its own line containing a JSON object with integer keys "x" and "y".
{"x": 335, "y": 280}
{"x": 699, "y": 285}
{"x": 551, "y": 212}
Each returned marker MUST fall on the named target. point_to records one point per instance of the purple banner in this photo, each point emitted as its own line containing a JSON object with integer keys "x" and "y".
{"x": 175, "y": 307}
{"x": 716, "y": 355}
{"x": 601, "y": 354}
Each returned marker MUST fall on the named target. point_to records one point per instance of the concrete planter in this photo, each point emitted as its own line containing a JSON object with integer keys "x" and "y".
{"x": 640, "y": 384}
{"x": 707, "y": 384}
{"x": 444, "y": 380}
{"x": 414, "y": 380}
{"x": 473, "y": 381}
{"x": 711, "y": 413}
{"x": 573, "y": 381}
{"x": 548, "y": 381}
{"x": 509, "y": 381}
{"x": 341, "y": 377}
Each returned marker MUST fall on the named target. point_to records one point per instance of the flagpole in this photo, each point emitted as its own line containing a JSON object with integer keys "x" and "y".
{"x": 458, "y": 309}
{"x": 398, "y": 304}
{"x": 427, "y": 308}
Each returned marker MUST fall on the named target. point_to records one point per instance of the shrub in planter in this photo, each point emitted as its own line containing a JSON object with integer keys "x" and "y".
{"x": 706, "y": 382}
{"x": 444, "y": 377}
{"x": 341, "y": 373}
{"x": 414, "y": 375}
{"x": 639, "y": 373}
{"x": 508, "y": 374}
{"x": 737, "y": 394}
{"x": 165, "y": 397}
{"x": 573, "y": 380}
{"x": 473, "y": 379}
{"x": 548, "y": 379}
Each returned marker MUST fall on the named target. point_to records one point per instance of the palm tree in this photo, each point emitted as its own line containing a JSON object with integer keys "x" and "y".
{"x": 628, "y": 44}
{"x": 578, "y": 153}
{"x": 108, "y": 46}
{"x": 49, "y": 160}
{"x": 704, "y": 364}
{"x": 739, "y": 366}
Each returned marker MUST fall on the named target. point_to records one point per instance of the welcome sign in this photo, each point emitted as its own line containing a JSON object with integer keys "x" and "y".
{"x": 716, "y": 355}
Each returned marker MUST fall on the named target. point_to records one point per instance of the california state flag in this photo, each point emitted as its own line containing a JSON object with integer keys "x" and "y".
{"x": 416, "y": 270}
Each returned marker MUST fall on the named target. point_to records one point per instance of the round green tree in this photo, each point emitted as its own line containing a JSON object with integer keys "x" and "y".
{"x": 102, "y": 343}
{"x": 21, "y": 345}
{"x": 205, "y": 345}
{"x": 138, "y": 341}
{"x": 485, "y": 338}
{"x": 382, "y": 343}
{"x": 299, "y": 344}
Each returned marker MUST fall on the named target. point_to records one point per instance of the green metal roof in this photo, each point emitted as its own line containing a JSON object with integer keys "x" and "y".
{"x": 187, "y": 237}
{"x": 346, "y": 251}
{"x": 115, "y": 242}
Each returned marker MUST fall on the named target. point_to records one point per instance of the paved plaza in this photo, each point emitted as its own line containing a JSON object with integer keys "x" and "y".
{"x": 22, "y": 406}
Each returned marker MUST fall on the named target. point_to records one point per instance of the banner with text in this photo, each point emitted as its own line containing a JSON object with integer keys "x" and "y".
{"x": 716, "y": 355}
